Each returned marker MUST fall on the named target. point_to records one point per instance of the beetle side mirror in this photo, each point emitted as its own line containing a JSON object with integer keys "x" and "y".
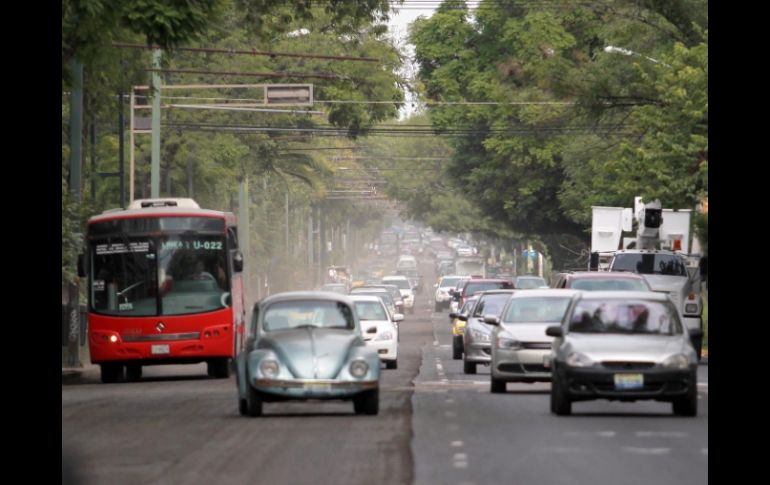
{"x": 555, "y": 331}
{"x": 463, "y": 318}
{"x": 453, "y": 315}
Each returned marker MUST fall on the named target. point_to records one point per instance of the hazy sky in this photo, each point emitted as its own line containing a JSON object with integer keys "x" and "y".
{"x": 398, "y": 25}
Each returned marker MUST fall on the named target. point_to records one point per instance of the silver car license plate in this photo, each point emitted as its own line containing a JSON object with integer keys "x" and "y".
{"x": 625, "y": 382}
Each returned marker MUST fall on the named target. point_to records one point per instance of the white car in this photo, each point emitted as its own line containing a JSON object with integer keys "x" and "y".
{"x": 380, "y": 330}
{"x": 443, "y": 298}
{"x": 407, "y": 293}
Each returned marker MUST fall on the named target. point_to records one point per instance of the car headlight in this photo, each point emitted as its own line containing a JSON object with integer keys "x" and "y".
{"x": 691, "y": 308}
{"x": 508, "y": 343}
{"x": 576, "y": 359}
{"x": 676, "y": 361}
{"x": 479, "y": 336}
{"x": 358, "y": 368}
{"x": 387, "y": 335}
{"x": 269, "y": 368}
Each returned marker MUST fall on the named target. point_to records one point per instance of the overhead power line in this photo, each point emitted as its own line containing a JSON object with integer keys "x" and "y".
{"x": 252, "y": 52}
{"x": 254, "y": 74}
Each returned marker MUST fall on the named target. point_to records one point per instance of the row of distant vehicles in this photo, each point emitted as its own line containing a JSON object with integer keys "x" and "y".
{"x": 618, "y": 345}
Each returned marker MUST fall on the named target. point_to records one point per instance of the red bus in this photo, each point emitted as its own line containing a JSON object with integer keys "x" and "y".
{"x": 165, "y": 286}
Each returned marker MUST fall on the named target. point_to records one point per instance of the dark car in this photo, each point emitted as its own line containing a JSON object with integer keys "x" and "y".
{"x": 602, "y": 281}
{"x": 476, "y": 285}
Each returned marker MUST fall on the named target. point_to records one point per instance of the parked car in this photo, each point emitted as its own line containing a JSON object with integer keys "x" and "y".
{"x": 623, "y": 346}
{"x": 306, "y": 345}
{"x": 380, "y": 329}
{"x": 520, "y": 347}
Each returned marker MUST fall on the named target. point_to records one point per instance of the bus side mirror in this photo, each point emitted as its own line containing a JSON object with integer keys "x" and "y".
{"x": 238, "y": 262}
{"x": 81, "y": 265}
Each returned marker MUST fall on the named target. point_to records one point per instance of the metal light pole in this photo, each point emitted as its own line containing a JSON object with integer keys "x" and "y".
{"x": 611, "y": 49}
{"x": 76, "y": 156}
{"x": 155, "y": 166}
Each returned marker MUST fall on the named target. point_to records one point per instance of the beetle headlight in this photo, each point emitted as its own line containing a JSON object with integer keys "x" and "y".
{"x": 576, "y": 359}
{"x": 691, "y": 308}
{"x": 676, "y": 361}
{"x": 269, "y": 368}
{"x": 358, "y": 368}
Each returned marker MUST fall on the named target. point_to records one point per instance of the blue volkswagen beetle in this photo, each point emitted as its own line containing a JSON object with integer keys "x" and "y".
{"x": 306, "y": 345}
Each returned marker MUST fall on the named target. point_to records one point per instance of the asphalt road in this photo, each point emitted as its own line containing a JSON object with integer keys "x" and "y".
{"x": 436, "y": 426}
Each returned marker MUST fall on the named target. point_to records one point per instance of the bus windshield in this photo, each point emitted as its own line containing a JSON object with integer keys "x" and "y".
{"x": 170, "y": 274}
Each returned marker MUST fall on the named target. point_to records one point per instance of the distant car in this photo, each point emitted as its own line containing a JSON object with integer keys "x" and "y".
{"x": 407, "y": 293}
{"x": 340, "y": 288}
{"x": 602, "y": 281}
{"x": 624, "y": 346}
{"x": 529, "y": 282}
{"x": 395, "y": 293}
{"x": 458, "y": 326}
{"x": 383, "y": 293}
{"x": 443, "y": 297}
{"x": 477, "y": 341}
{"x": 520, "y": 347}
{"x": 475, "y": 285}
{"x": 306, "y": 345}
{"x": 379, "y": 328}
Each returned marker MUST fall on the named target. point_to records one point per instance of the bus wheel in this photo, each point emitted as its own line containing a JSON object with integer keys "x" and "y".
{"x": 133, "y": 372}
{"x": 219, "y": 368}
{"x": 111, "y": 372}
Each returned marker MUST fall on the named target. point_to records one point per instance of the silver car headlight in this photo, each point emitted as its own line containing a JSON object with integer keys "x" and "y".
{"x": 387, "y": 335}
{"x": 676, "y": 361}
{"x": 691, "y": 308}
{"x": 508, "y": 343}
{"x": 358, "y": 368}
{"x": 576, "y": 359}
{"x": 479, "y": 336}
{"x": 269, "y": 368}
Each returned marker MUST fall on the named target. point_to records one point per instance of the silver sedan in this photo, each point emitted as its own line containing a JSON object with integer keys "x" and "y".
{"x": 520, "y": 347}
{"x": 624, "y": 346}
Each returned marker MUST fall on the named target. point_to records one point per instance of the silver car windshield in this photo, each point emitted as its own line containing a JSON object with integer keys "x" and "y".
{"x": 315, "y": 313}
{"x": 609, "y": 284}
{"x": 536, "y": 310}
{"x": 625, "y": 316}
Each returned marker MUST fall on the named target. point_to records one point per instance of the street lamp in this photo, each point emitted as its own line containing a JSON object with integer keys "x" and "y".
{"x": 611, "y": 49}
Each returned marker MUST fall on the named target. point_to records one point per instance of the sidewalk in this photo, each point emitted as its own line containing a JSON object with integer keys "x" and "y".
{"x": 75, "y": 374}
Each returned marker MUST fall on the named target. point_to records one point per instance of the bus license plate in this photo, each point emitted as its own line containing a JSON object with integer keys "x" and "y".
{"x": 160, "y": 349}
{"x": 317, "y": 386}
{"x": 629, "y": 381}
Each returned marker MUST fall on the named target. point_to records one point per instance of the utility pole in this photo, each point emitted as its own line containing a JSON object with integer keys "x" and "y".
{"x": 76, "y": 157}
{"x": 155, "y": 166}
{"x": 243, "y": 237}
{"x": 121, "y": 150}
